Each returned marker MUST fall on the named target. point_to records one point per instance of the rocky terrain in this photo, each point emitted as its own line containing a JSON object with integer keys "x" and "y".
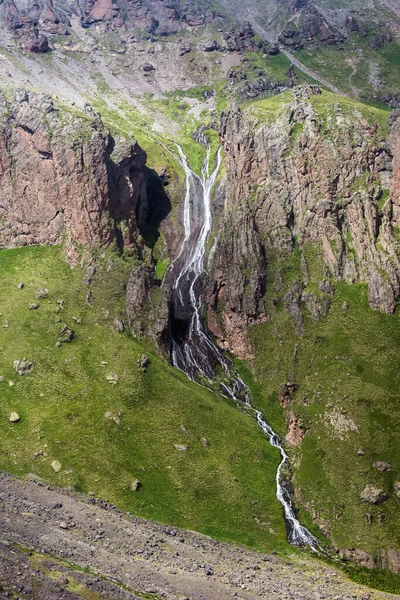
{"x": 63, "y": 174}
{"x": 54, "y": 545}
{"x": 302, "y": 287}
{"x": 294, "y": 180}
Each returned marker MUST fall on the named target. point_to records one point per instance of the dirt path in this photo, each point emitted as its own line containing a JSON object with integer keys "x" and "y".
{"x": 53, "y": 545}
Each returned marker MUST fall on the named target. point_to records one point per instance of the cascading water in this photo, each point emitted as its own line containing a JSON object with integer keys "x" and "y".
{"x": 193, "y": 350}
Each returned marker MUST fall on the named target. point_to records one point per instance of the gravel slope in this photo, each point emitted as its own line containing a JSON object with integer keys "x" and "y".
{"x": 47, "y": 536}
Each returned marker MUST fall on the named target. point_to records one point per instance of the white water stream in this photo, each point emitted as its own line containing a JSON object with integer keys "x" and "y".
{"x": 193, "y": 350}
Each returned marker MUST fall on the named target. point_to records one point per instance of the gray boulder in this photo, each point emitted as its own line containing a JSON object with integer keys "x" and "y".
{"x": 373, "y": 495}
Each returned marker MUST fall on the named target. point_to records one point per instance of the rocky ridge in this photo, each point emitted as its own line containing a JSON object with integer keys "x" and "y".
{"x": 301, "y": 179}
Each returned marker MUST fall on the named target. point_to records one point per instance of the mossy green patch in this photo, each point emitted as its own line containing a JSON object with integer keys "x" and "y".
{"x": 105, "y": 434}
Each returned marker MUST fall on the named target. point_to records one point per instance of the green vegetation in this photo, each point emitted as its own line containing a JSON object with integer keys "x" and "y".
{"x": 355, "y": 67}
{"x": 346, "y": 371}
{"x": 226, "y": 490}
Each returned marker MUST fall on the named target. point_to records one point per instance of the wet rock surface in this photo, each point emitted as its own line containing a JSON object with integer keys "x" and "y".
{"x": 126, "y": 557}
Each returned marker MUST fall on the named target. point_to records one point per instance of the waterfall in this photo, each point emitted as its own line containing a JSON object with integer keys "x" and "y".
{"x": 193, "y": 350}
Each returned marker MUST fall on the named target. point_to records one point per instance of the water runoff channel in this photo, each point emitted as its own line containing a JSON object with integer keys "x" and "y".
{"x": 193, "y": 350}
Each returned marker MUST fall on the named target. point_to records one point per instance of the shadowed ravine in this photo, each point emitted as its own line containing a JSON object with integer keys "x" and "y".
{"x": 193, "y": 350}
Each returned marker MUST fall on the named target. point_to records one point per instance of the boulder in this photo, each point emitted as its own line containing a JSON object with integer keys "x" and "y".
{"x": 382, "y": 466}
{"x": 22, "y": 367}
{"x": 148, "y": 67}
{"x": 181, "y": 447}
{"x": 135, "y": 485}
{"x": 211, "y": 46}
{"x": 373, "y": 495}
{"x": 66, "y": 334}
{"x": 41, "y": 293}
{"x": 14, "y": 417}
{"x": 56, "y": 466}
{"x": 397, "y": 488}
{"x": 36, "y": 43}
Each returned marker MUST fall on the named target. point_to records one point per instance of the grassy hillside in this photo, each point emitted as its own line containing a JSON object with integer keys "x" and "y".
{"x": 226, "y": 489}
{"x": 346, "y": 368}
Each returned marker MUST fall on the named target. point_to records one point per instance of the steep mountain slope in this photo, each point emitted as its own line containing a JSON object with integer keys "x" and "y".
{"x": 310, "y": 191}
{"x": 303, "y": 262}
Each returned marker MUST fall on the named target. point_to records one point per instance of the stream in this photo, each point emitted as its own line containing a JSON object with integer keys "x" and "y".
{"x": 193, "y": 350}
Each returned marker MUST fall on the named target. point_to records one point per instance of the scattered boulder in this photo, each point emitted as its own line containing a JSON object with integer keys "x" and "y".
{"x": 211, "y": 46}
{"x": 382, "y": 466}
{"x": 111, "y": 417}
{"x": 20, "y": 285}
{"x": 345, "y": 306}
{"x": 205, "y": 442}
{"x": 56, "y": 466}
{"x": 22, "y": 367}
{"x": 66, "y": 334}
{"x": 41, "y": 293}
{"x": 90, "y": 271}
{"x": 181, "y": 447}
{"x": 361, "y": 452}
{"x": 135, "y": 485}
{"x": 373, "y": 495}
{"x": 143, "y": 362}
{"x": 33, "y": 306}
{"x": 184, "y": 48}
{"x": 14, "y": 417}
{"x": 112, "y": 378}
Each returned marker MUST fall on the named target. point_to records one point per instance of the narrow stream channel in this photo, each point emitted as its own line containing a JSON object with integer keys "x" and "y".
{"x": 193, "y": 350}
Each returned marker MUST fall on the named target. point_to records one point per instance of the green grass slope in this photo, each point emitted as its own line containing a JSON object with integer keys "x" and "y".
{"x": 346, "y": 368}
{"x": 226, "y": 489}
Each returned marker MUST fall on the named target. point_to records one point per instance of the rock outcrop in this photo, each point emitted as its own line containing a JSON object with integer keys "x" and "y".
{"x": 58, "y": 179}
{"x": 316, "y": 173}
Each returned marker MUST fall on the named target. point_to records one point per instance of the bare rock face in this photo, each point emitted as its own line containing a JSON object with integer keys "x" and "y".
{"x": 147, "y": 306}
{"x": 237, "y": 282}
{"x": 359, "y": 556}
{"x": 163, "y": 17}
{"x": 34, "y": 17}
{"x": 36, "y": 43}
{"x": 389, "y": 558}
{"x": 58, "y": 177}
{"x": 299, "y": 180}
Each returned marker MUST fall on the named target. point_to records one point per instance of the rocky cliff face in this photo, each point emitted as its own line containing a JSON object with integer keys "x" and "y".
{"x": 315, "y": 172}
{"x": 64, "y": 176}
{"x": 162, "y": 17}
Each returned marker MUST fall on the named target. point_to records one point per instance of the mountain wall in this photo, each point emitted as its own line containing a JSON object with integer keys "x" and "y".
{"x": 62, "y": 176}
{"x": 316, "y": 171}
